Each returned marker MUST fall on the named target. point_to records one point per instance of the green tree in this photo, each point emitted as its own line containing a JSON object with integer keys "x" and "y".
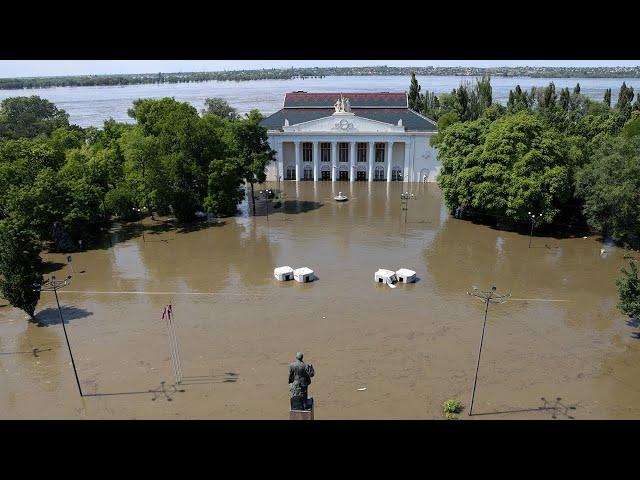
{"x": 27, "y": 117}
{"x": 430, "y": 105}
{"x": 565, "y": 99}
{"x": 506, "y": 168}
{"x": 609, "y": 185}
{"x": 414, "y": 93}
{"x": 225, "y": 190}
{"x": 485, "y": 94}
{"x": 624, "y": 105}
{"x": 144, "y": 172}
{"x": 629, "y": 290}
{"x": 122, "y": 201}
{"x": 249, "y": 144}
{"x": 518, "y": 100}
{"x": 20, "y": 265}
{"x": 220, "y": 108}
{"x": 607, "y": 96}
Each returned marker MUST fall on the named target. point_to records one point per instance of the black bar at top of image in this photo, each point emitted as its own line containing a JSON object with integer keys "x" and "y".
{"x": 304, "y": 31}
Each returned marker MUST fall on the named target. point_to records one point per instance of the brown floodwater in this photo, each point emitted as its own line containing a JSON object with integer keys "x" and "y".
{"x": 558, "y": 348}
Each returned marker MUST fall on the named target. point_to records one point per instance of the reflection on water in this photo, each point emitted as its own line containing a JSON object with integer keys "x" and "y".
{"x": 413, "y": 346}
{"x": 127, "y": 263}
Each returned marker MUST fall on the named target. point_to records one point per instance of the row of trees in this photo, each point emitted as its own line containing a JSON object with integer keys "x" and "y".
{"x": 570, "y": 158}
{"x": 62, "y": 183}
{"x": 564, "y": 157}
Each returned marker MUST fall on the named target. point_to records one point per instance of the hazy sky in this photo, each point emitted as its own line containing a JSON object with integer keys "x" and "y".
{"x": 36, "y": 68}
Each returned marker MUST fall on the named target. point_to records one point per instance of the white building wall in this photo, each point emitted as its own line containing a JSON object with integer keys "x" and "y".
{"x": 398, "y": 155}
{"x": 289, "y": 155}
{"x": 420, "y": 159}
{"x": 425, "y": 160}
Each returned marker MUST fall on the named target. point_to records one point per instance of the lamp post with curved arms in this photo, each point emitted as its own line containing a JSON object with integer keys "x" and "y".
{"x": 52, "y": 285}
{"x": 267, "y": 194}
{"x": 533, "y": 220}
{"x": 486, "y": 297}
{"x": 404, "y": 203}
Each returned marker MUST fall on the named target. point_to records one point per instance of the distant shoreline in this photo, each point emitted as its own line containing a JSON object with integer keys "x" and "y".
{"x": 314, "y": 72}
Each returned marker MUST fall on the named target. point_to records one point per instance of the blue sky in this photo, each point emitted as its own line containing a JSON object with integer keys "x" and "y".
{"x": 35, "y": 68}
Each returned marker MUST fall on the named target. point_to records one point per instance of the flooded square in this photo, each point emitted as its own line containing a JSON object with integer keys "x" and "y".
{"x": 559, "y": 348}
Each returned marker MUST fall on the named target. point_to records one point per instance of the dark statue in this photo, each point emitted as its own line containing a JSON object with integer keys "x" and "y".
{"x": 300, "y": 375}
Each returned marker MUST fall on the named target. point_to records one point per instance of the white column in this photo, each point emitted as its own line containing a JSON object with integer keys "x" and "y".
{"x": 279, "y": 161}
{"x": 389, "y": 159}
{"x": 407, "y": 171}
{"x": 298, "y": 146}
{"x": 316, "y": 161}
{"x": 352, "y": 161}
{"x": 372, "y": 153}
{"x": 334, "y": 161}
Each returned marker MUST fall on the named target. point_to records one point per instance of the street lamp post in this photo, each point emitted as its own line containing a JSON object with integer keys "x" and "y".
{"x": 487, "y": 297}
{"x": 137, "y": 210}
{"x": 266, "y": 193}
{"x": 404, "y": 203}
{"x": 52, "y": 285}
{"x": 533, "y": 219}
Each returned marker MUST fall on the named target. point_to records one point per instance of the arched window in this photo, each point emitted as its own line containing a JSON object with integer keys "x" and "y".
{"x": 343, "y": 172}
{"x": 379, "y": 173}
{"x": 308, "y": 173}
{"x": 396, "y": 174}
{"x": 290, "y": 173}
{"x": 361, "y": 173}
{"x": 325, "y": 172}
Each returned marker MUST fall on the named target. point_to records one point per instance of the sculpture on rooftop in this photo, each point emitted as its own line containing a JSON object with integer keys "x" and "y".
{"x": 342, "y": 105}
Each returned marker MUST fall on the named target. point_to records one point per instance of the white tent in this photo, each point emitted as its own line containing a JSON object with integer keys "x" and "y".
{"x": 283, "y": 274}
{"x": 303, "y": 275}
{"x": 406, "y": 276}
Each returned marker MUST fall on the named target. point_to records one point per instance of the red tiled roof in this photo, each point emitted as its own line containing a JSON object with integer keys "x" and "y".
{"x": 361, "y": 99}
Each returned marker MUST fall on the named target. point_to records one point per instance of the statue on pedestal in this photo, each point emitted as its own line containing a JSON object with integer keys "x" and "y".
{"x": 300, "y": 375}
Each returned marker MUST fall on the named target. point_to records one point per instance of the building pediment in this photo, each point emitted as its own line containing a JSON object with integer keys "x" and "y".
{"x": 343, "y": 122}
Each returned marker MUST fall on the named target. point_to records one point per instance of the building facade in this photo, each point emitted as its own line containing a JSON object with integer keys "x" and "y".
{"x": 350, "y": 137}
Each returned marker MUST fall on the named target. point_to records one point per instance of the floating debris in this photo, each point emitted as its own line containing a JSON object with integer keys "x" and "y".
{"x": 386, "y": 276}
{"x": 283, "y": 274}
{"x": 303, "y": 275}
{"x": 340, "y": 197}
{"x": 406, "y": 276}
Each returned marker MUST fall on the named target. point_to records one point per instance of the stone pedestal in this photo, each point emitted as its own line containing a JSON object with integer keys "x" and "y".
{"x": 303, "y": 414}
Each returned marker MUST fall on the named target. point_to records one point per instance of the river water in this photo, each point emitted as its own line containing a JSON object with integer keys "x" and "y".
{"x": 91, "y": 106}
{"x": 557, "y": 349}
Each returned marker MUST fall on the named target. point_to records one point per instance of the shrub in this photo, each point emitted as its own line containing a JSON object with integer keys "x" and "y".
{"x": 451, "y": 408}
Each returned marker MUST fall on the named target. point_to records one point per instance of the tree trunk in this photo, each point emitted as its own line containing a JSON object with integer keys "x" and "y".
{"x": 253, "y": 200}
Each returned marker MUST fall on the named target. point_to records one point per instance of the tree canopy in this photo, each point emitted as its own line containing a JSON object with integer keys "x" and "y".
{"x": 62, "y": 183}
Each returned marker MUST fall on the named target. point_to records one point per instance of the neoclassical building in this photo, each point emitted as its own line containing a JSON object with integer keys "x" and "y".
{"x": 350, "y": 137}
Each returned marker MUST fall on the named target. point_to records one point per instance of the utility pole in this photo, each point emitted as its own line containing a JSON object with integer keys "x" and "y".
{"x": 52, "y": 285}
{"x": 167, "y": 314}
{"x": 486, "y": 297}
{"x": 533, "y": 219}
